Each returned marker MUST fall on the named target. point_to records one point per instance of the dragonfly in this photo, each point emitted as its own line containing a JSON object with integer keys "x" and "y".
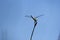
{"x": 34, "y": 18}
{"x": 35, "y": 23}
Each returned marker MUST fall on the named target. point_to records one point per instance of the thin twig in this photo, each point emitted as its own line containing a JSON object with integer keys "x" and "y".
{"x": 32, "y": 32}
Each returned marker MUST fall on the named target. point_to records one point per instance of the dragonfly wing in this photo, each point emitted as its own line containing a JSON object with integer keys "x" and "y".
{"x": 28, "y": 16}
{"x": 39, "y": 16}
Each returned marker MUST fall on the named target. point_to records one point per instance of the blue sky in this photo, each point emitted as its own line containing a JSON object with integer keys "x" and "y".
{"x": 15, "y": 26}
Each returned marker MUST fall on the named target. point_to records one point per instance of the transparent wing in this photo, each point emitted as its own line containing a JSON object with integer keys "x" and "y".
{"x": 39, "y": 16}
{"x": 28, "y": 16}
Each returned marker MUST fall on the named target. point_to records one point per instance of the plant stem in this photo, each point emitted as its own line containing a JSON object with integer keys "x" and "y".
{"x": 32, "y": 32}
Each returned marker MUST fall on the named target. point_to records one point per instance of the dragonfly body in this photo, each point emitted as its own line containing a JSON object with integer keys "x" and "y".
{"x": 35, "y": 20}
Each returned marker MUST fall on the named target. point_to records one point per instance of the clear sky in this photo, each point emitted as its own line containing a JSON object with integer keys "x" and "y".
{"x": 15, "y": 26}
